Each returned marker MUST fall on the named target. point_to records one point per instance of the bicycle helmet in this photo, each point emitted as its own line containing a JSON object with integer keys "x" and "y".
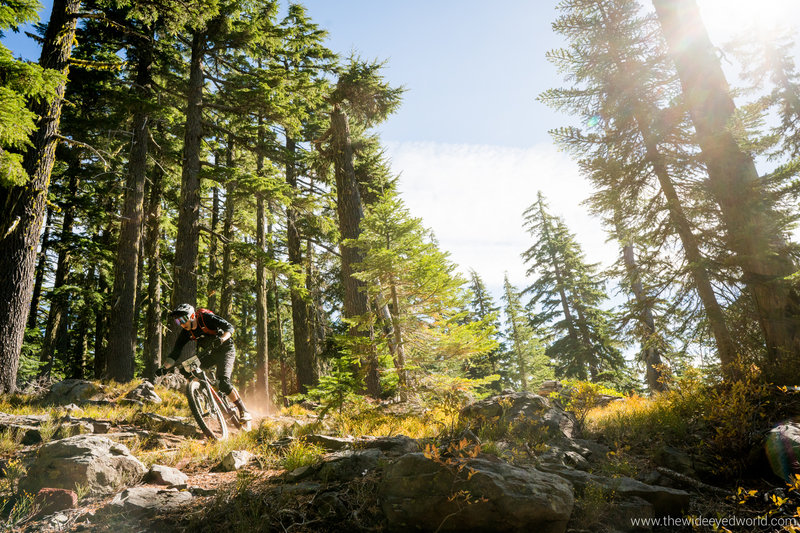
{"x": 182, "y": 314}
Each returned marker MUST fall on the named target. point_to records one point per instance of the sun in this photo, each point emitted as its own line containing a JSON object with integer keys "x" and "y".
{"x": 726, "y": 19}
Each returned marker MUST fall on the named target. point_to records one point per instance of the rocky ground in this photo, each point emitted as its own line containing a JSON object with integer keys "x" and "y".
{"x": 516, "y": 463}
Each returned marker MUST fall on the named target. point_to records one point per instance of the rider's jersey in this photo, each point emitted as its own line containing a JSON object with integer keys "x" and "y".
{"x": 208, "y": 325}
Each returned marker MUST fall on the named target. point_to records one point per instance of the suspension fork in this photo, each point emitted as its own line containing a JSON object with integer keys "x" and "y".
{"x": 222, "y": 404}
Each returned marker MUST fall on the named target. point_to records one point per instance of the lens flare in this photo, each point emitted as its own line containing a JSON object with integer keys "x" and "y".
{"x": 726, "y": 19}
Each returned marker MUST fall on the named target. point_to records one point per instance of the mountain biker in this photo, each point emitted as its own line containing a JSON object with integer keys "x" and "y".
{"x": 213, "y": 334}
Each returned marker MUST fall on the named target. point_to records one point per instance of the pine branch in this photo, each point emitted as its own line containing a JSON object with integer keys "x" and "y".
{"x": 83, "y": 145}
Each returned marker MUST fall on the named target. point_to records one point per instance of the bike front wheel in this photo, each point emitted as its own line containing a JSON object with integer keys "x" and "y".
{"x": 206, "y": 411}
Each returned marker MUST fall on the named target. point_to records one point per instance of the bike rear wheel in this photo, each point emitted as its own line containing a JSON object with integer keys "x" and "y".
{"x": 206, "y": 411}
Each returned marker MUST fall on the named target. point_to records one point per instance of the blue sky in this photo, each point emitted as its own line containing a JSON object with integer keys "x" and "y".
{"x": 472, "y": 68}
{"x": 470, "y": 141}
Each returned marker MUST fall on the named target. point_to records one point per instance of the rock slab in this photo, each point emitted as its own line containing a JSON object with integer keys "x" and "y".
{"x": 48, "y": 501}
{"x": 145, "y": 393}
{"x": 74, "y": 390}
{"x": 421, "y": 493}
{"x": 236, "y": 460}
{"x": 165, "y": 475}
{"x": 147, "y": 500}
{"x": 87, "y": 460}
{"x": 517, "y": 409}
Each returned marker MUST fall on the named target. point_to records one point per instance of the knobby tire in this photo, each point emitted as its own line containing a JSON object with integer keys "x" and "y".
{"x": 206, "y": 411}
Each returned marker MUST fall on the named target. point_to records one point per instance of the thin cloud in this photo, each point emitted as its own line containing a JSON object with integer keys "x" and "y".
{"x": 473, "y": 197}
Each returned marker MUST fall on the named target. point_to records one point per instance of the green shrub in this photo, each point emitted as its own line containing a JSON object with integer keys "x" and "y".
{"x": 300, "y": 453}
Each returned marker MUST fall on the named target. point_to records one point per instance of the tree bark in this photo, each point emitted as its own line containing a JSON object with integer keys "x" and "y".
{"x": 301, "y": 322}
{"x": 41, "y": 267}
{"x": 757, "y": 244}
{"x": 187, "y": 240}
{"x": 651, "y": 353}
{"x": 22, "y": 207}
{"x": 121, "y": 358}
{"x": 80, "y": 347}
{"x": 57, "y": 316}
{"x": 281, "y": 348}
{"x": 100, "y": 329}
{"x": 399, "y": 346}
{"x": 262, "y": 316}
{"x": 714, "y": 313}
{"x": 153, "y": 331}
{"x": 227, "y": 233}
{"x": 351, "y": 212}
{"x": 213, "y": 267}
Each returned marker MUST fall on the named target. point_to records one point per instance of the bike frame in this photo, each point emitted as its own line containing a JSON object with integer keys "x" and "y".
{"x": 193, "y": 367}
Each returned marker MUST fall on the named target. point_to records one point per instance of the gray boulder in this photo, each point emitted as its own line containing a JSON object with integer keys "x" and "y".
{"x": 674, "y": 459}
{"x": 87, "y": 460}
{"x": 330, "y": 443}
{"x": 74, "y": 390}
{"x": 145, "y": 393}
{"x": 25, "y": 427}
{"x": 147, "y": 501}
{"x": 550, "y": 386}
{"x": 666, "y": 501}
{"x": 69, "y": 427}
{"x": 348, "y": 465}
{"x": 392, "y": 446}
{"x": 172, "y": 381}
{"x": 418, "y": 493}
{"x": 522, "y": 410}
{"x": 782, "y": 446}
{"x": 165, "y": 475}
{"x": 170, "y": 424}
{"x": 236, "y": 460}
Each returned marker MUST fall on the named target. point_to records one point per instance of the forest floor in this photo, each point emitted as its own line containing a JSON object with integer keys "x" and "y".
{"x": 745, "y": 497}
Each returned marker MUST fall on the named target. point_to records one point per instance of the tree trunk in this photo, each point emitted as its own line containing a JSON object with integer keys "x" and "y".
{"x": 100, "y": 329}
{"x": 56, "y": 318}
{"x": 262, "y": 317}
{"x": 301, "y": 323}
{"x": 22, "y": 208}
{"x": 41, "y": 267}
{"x": 227, "y": 233}
{"x": 213, "y": 269}
{"x": 565, "y": 307}
{"x": 279, "y": 345}
{"x": 153, "y": 335}
{"x": 187, "y": 240}
{"x": 714, "y": 313}
{"x": 121, "y": 358}
{"x": 651, "y": 353}
{"x": 399, "y": 347}
{"x": 523, "y": 372}
{"x": 753, "y": 237}
{"x": 351, "y": 211}
{"x": 80, "y": 347}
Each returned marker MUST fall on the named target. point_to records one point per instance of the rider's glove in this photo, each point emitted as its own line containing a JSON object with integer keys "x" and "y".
{"x": 216, "y": 342}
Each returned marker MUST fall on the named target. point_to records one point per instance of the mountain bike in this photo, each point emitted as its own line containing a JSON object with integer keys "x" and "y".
{"x": 210, "y": 408}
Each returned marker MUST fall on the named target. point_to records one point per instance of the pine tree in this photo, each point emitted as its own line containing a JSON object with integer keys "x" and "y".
{"x": 427, "y": 301}
{"x": 532, "y": 364}
{"x": 301, "y": 62}
{"x": 753, "y": 229}
{"x": 362, "y": 96}
{"x": 634, "y": 149}
{"x": 567, "y": 295}
{"x": 122, "y": 345}
{"x": 483, "y": 310}
{"x": 23, "y": 200}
